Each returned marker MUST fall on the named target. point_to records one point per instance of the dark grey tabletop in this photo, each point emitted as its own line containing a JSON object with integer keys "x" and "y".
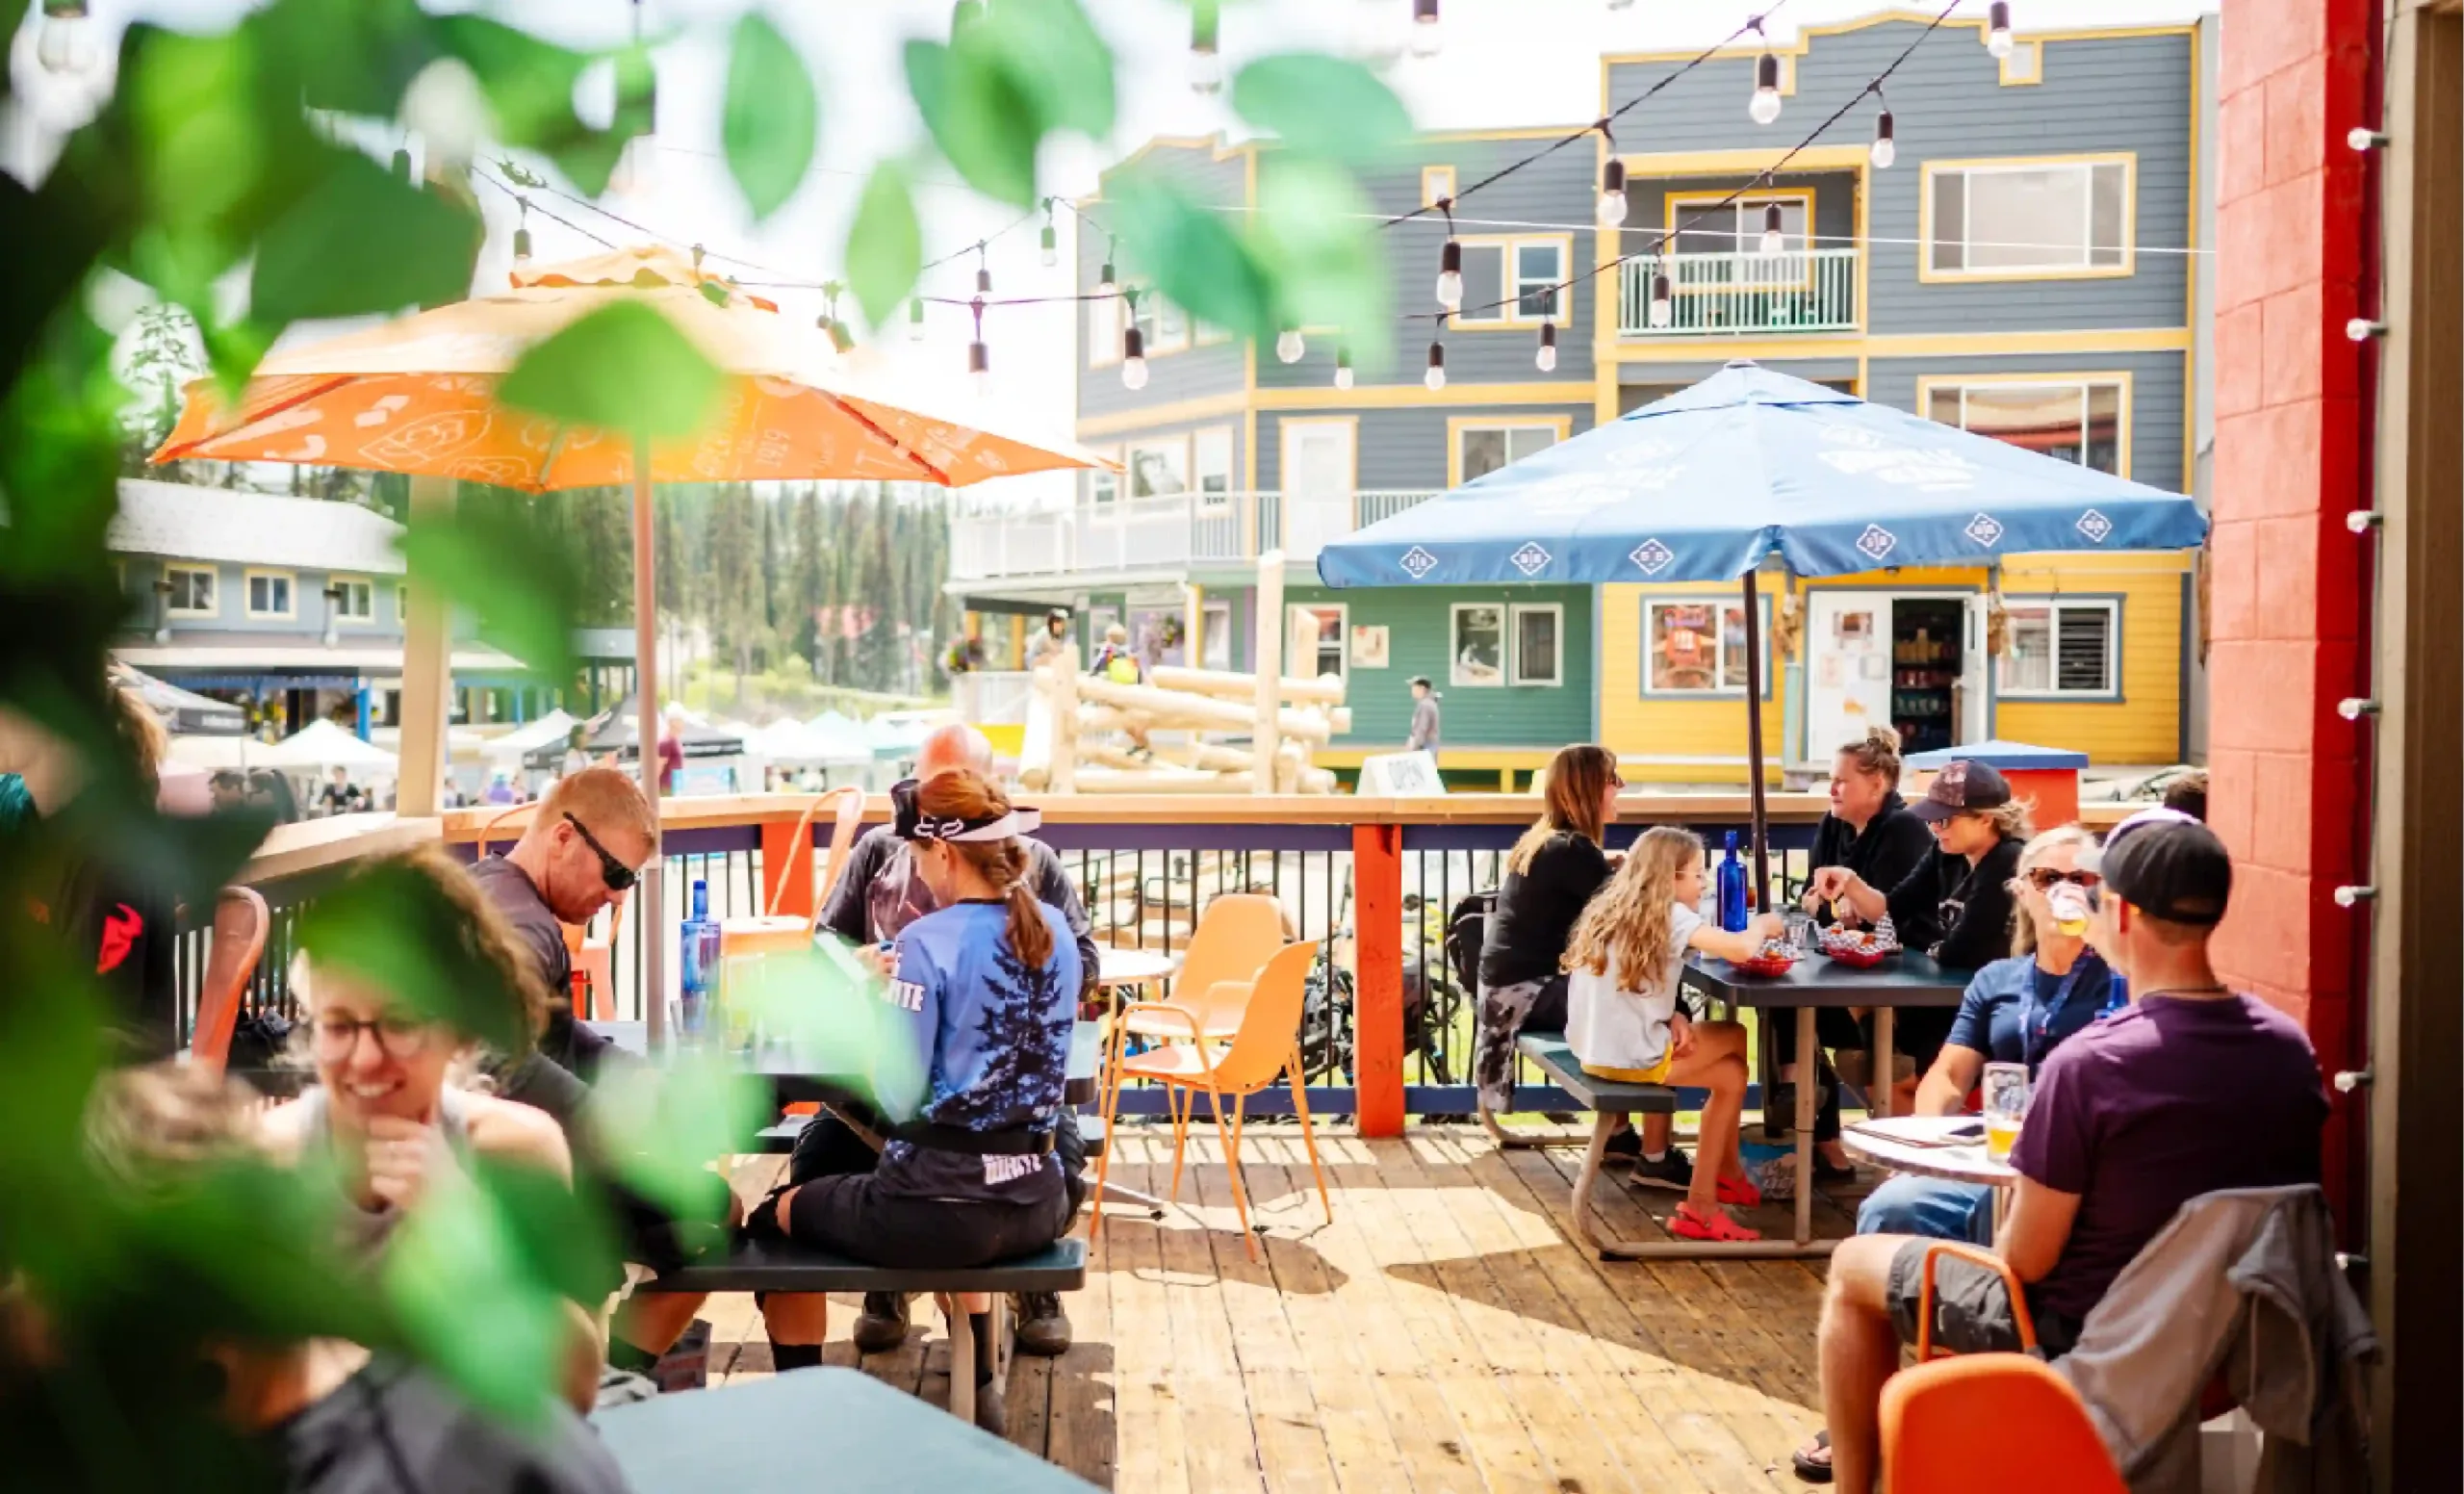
{"x": 1086, "y": 1056}
{"x": 1904, "y": 979}
{"x": 827, "y": 1427}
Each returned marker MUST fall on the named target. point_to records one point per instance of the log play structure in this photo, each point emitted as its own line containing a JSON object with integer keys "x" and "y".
{"x": 1082, "y": 730}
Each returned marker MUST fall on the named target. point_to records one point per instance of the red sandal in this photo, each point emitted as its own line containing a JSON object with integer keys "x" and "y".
{"x": 1740, "y": 1192}
{"x": 1691, "y": 1223}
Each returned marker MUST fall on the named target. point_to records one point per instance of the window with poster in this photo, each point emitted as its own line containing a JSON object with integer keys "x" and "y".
{"x": 1215, "y": 646}
{"x": 1158, "y": 469}
{"x": 2062, "y": 648}
{"x": 1317, "y": 643}
{"x": 1696, "y": 646}
{"x": 1475, "y": 644}
{"x": 1536, "y": 630}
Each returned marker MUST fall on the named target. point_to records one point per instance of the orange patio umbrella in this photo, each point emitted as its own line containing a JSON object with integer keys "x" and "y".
{"x": 419, "y": 396}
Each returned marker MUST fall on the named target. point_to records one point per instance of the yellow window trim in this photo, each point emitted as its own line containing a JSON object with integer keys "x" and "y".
{"x": 1430, "y": 175}
{"x": 1457, "y": 424}
{"x": 214, "y": 572}
{"x": 1511, "y": 318}
{"x": 1741, "y": 163}
{"x": 1676, "y": 203}
{"x": 1926, "y": 383}
{"x": 290, "y": 589}
{"x": 349, "y": 620}
{"x": 2128, "y": 159}
{"x": 1203, "y": 407}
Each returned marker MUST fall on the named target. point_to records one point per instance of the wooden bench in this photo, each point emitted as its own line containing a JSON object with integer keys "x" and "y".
{"x": 1609, "y": 1099}
{"x": 759, "y": 1266}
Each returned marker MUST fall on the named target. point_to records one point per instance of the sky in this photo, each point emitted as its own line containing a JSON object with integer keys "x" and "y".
{"x": 1505, "y": 62}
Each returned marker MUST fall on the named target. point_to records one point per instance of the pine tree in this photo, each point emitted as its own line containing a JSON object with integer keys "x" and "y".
{"x": 877, "y": 598}
{"x": 804, "y": 596}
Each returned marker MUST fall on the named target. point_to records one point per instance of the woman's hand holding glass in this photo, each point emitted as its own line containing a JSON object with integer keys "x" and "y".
{"x": 405, "y": 1159}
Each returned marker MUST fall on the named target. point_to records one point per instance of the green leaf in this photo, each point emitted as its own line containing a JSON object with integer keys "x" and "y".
{"x": 1315, "y": 239}
{"x": 363, "y": 240}
{"x": 884, "y": 246}
{"x": 980, "y": 117}
{"x": 771, "y": 117}
{"x": 1192, "y": 254}
{"x": 453, "y": 1273}
{"x": 529, "y": 83}
{"x": 1059, "y": 63}
{"x": 523, "y": 585}
{"x": 1322, "y": 106}
{"x": 204, "y": 148}
{"x": 391, "y": 927}
{"x": 660, "y": 1127}
{"x": 624, "y": 369}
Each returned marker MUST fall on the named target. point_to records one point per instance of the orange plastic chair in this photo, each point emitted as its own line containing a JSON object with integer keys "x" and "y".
{"x": 1267, "y": 1048}
{"x": 1996, "y": 1421}
{"x": 1235, "y": 937}
{"x": 1935, "y": 1251}
{"x": 771, "y": 930}
{"x": 240, "y": 924}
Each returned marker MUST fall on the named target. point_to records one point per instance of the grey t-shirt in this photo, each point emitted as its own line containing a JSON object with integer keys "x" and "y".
{"x": 881, "y": 895}
{"x": 1424, "y": 725}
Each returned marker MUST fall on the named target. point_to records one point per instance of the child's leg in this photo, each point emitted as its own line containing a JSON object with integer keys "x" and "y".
{"x": 1716, "y": 1063}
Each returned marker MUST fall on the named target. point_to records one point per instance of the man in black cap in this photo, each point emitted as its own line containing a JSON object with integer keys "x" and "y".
{"x": 1424, "y": 736}
{"x": 2193, "y": 1089}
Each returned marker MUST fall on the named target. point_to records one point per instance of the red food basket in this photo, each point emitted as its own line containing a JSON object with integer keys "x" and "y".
{"x": 1768, "y": 964}
{"x": 1856, "y": 959}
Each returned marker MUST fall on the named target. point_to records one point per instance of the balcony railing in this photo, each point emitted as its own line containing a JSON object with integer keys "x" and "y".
{"x": 1175, "y": 532}
{"x": 1750, "y": 294}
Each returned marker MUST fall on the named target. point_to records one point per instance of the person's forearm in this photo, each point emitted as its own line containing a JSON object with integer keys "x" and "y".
{"x": 1939, "y": 1095}
{"x": 1869, "y": 902}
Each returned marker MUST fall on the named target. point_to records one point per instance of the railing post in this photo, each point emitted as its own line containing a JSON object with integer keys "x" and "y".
{"x": 784, "y": 862}
{"x": 1377, "y": 1009}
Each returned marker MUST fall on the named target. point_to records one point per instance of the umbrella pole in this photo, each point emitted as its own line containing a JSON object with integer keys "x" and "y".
{"x": 648, "y": 915}
{"x": 1759, "y": 809}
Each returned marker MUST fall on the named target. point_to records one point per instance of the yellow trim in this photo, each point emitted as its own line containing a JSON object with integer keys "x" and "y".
{"x": 1913, "y": 345}
{"x": 1675, "y": 202}
{"x": 214, "y": 574}
{"x": 1387, "y": 397}
{"x": 1456, "y": 424}
{"x": 1520, "y": 132}
{"x": 2128, "y": 159}
{"x": 1429, "y": 198}
{"x": 351, "y": 620}
{"x": 1204, "y": 407}
{"x": 1739, "y": 162}
{"x": 290, "y": 589}
{"x": 2027, "y": 46}
{"x": 1512, "y": 319}
{"x": 1926, "y": 383}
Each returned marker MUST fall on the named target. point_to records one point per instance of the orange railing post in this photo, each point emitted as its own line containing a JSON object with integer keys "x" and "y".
{"x": 1377, "y": 1015}
{"x": 782, "y": 859}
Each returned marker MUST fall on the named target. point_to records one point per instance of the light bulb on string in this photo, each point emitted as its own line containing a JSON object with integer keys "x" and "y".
{"x": 983, "y": 272}
{"x": 916, "y": 319}
{"x": 1435, "y": 378}
{"x": 522, "y": 233}
{"x": 65, "y": 44}
{"x": 1775, "y": 237}
{"x": 1133, "y": 358}
{"x": 1662, "y": 309}
{"x": 1546, "y": 359}
{"x": 1428, "y": 32}
{"x": 1206, "y": 63}
{"x": 1289, "y": 345}
{"x": 1449, "y": 276}
{"x": 1885, "y": 149}
{"x": 1108, "y": 283}
{"x": 1343, "y": 368}
{"x": 1610, "y": 210}
{"x": 979, "y": 357}
{"x": 1049, "y": 241}
{"x": 1997, "y": 28}
{"x": 402, "y": 165}
{"x": 1764, "y": 106}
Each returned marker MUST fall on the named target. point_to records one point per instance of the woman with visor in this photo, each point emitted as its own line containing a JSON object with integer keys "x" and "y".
{"x": 986, "y": 988}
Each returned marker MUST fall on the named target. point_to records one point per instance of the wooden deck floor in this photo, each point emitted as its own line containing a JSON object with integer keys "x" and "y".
{"x": 1442, "y": 1335}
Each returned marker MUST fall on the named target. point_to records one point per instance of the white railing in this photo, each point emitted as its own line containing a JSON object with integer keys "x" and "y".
{"x": 1171, "y": 532}
{"x": 1810, "y": 291}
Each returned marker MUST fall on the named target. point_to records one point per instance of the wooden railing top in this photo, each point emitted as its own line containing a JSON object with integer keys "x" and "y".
{"x": 336, "y": 840}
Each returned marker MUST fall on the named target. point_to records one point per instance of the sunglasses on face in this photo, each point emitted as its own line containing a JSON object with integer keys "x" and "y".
{"x": 2044, "y": 878}
{"x": 619, "y": 876}
{"x": 333, "y": 1037}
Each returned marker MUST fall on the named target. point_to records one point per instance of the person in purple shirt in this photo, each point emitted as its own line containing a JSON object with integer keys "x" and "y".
{"x": 2194, "y": 1088}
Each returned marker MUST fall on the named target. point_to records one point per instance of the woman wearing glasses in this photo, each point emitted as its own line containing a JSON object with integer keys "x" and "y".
{"x": 2016, "y": 1010}
{"x": 385, "y": 1107}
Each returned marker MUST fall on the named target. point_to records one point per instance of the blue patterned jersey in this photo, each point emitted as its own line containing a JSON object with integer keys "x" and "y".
{"x": 993, "y": 1037}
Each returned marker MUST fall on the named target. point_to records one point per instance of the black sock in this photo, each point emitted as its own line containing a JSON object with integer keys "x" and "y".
{"x": 793, "y": 1356}
{"x": 980, "y": 1327}
{"x": 623, "y": 1356}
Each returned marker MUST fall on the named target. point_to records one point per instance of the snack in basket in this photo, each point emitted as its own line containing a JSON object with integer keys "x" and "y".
{"x": 1774, "y": 958}
{"x": 1857, "y": 946}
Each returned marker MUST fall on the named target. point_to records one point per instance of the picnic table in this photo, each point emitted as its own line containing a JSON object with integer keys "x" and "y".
{"x": 834, "y": 1427}
{"x": 1924, "y": 1145}
{"x": 1904, "y": 978}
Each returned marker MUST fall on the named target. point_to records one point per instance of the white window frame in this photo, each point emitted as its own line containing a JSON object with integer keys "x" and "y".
{"x": 1455, "y": 675}
{"x": 214, "y": 587}
{"x": 2053, "y": 607}
{"x": 1929, "y": 271}
{"x": 1342, "y": 637}
{"x": 1215, "y": 617}
{"x": 1199, "y": 439}
{"x": 1515, "y": 613}
{"x": 290, "y": 590}
{"x": 1511, "y": 315}
{"x": 1105, "y": 488}
{"x": 343, "y": 584}
{"x": 1721, "y": 606}
{"x": 1167, "y": 326}
{"x": 1458, "y": 427}
{"x": 2085, "y": 383}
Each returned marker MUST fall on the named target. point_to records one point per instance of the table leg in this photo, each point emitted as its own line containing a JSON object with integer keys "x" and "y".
{"x": 1886, "y": 1067}
{"x": 1808, "y": 1057}
{"x": 2001, "y": 1213}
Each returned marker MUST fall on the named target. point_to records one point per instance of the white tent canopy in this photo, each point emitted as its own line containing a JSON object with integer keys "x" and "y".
{"x": 322, "y": 744}
{"x": 549, "y": 731}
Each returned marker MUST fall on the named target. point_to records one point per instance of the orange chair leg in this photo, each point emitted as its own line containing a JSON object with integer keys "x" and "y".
{"x": 1184, "y": 1101}
{"x": 1232, "y": 1160}
{"x": 1308, "y": 1130}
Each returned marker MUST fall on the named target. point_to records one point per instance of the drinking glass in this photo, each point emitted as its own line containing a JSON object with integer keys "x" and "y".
{"x": 2006, "y": 1107}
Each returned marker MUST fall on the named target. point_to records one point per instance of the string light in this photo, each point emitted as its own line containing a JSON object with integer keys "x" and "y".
{"x": 1610, "y": 210}
{"x": 1546, "y": 359}
{"x": 1449, "y": 263}
{"x": 1206, "y": 64}
{"x": 1775, "y": 239}
{"x": 1427, "y": 35}
{"x": 915, "y": 320}
{"x": 979, "y": 357}
{"x": 982, "y": 270}
{"x": 522, "y": 233}
{"x": 1133, "y": 357}
{"x": 841, "y": 337}
{"x": 1764, "y": 106}
{"x": 1108, "y": 283}
{"x": 66, "y": 44}
{"x": 1661, "y": 308}
{"x": 1997, "y": 28}
{"x": 1885, "y": 149}
{"x": 1342, "y": 367}
{"x": 1049, "y": 241}
{"x": 402, "y": 163}
{"x": 1289, "y": 346}
{"x": 1435, "y": 378}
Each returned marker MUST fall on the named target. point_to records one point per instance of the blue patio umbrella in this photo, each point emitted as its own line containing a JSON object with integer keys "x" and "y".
{"x": 1707, "y": 483}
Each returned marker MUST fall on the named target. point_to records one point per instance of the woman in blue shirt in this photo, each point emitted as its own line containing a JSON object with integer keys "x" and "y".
{"x": 2016, "y": 1010}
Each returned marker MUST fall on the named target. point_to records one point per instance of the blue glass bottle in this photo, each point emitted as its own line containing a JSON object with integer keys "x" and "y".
{"x": 1731, "y": 881}
{"x": 697, "y": 966}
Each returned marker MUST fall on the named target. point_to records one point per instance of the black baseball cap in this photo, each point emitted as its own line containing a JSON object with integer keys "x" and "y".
{"x": 2168, "y": 865}
{"x": 1961, "y": 787}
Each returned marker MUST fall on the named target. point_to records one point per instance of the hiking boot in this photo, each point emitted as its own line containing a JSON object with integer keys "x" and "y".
{"x": 1674, "y": 1170}
{"x": 1043, "y": 1328}
{"x": 881, "y": 1326}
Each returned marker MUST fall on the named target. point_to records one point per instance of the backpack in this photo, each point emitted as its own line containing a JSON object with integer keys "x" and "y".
{"x": 1467, "y": 925}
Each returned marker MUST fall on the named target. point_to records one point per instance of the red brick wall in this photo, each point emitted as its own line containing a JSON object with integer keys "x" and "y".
{"x": 2288, "y": 586}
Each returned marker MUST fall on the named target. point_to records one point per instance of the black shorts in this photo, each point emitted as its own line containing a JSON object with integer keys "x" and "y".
{"x": 838, "y": 1208}
{"x": 1971, "y": 1306}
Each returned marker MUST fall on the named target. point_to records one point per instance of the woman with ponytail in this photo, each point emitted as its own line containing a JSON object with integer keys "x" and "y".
{"x": 987, "y": 989}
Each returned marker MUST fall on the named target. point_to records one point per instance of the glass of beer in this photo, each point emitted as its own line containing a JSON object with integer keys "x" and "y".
{"x": 2006, "y": 1106}
{"x": 2070, "y": 903}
